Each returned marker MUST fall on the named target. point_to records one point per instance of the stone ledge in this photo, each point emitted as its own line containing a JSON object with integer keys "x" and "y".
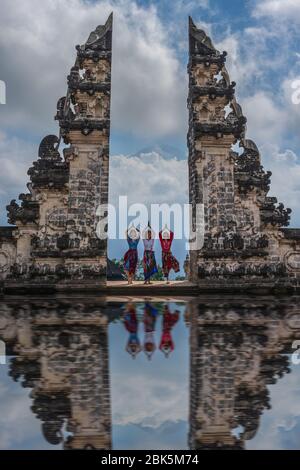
{"x": 180, "y": 289}
{"x": 291, "y": 233}
{"x": 6, "y": 233}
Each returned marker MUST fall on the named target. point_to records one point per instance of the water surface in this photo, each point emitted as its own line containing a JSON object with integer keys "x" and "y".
{"x": 212, "y": 372}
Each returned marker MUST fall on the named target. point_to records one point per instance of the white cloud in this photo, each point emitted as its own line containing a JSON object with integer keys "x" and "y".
{"x": 283, "y": 417}
{"x": 161, "y": 401}
{"x": 16, "y": 155}
{"x": 19, "y": 427}
{"x": 279, "y": 9}
{"x": 250, "y": 61}
{"x": 148, "y": 178}
{"x": 293, "y": 115}
{"x": 285, "y": 180}
{"x": 183, "y": 6}
{"x": 266, "y": 121}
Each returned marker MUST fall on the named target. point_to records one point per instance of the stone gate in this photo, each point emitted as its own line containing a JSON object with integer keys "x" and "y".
{"x": 246, "y": 244}
{"x": 53, "y": 241}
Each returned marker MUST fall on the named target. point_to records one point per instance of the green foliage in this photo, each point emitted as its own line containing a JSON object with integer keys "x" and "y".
{"x": 119, "y": 263}
{"x": 159, "y": 276}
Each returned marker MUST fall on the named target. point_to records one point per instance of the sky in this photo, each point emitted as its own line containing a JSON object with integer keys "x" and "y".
{"x": 149, "y": 87}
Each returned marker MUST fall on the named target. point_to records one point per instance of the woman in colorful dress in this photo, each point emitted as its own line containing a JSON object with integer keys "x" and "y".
{"x": 169, "y": 261}
{"x": 150, "y": 316}
{"x": 149, "y": 262}
{"x": 169, "y": 320}
{"x": 131, "y": 323}
{"x": 131, "y": 256}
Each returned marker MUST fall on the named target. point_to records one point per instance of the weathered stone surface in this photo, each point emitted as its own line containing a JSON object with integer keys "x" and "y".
{"x": 55, "y": 237}
{"x": 61, "y": 353}
{"x": 237, "y": 348}
{"x": 244, "y": 244}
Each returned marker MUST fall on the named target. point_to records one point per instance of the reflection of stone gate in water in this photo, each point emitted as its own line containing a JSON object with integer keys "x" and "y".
{"x": 236, "y": 350}
{"x": 238, "y": 347}
{"x": 53, "y": 241}
{"x": 61, "y": 353}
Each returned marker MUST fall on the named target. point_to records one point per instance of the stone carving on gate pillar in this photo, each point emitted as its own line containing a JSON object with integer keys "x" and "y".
{"x": 61, "y": 353}
{"x": 237, "y": 349}
{"x": 246, "y": 244}
{"x": 53, "y": 239}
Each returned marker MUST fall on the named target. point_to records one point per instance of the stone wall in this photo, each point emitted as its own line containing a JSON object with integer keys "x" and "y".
{"x": 7, "y": 250}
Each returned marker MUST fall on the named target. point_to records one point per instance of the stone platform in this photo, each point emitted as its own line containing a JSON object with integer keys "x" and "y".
{"x": 113, "y": 288}
{"x": 159, "y": 289}
{"x": 156, "y": 288}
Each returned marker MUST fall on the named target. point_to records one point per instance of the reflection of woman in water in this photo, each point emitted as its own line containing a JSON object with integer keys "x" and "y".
{"x": 169, "y": 320}
{"x": 150, "y": 315}
{"x": 131, "y": 323}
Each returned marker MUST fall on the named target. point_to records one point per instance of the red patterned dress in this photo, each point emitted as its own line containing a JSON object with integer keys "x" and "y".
{"x": 168, "y": 260}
